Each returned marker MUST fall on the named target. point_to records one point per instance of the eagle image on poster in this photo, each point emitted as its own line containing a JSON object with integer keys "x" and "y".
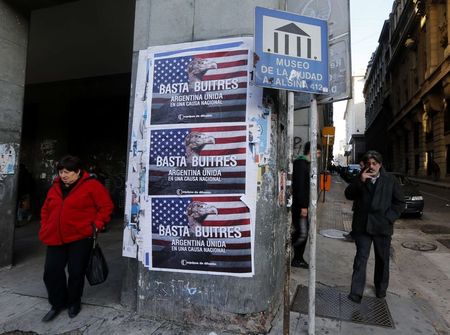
{"x": 200, "y": 88}
{"x": 209, "y": 234}
{"x": 201, "y": 160}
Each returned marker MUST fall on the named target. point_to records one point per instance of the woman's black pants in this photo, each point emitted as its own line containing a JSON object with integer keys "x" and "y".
{"x": 75, "y": 255}
{"x": 382, "y": 246}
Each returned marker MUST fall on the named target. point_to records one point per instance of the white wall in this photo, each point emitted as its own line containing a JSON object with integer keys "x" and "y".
{"x": 355, "y": 117}
{"x": 301, "y": 129}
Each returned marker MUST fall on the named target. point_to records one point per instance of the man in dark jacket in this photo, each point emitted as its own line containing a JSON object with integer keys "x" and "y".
{"x": 300, "y": 204}
{"x": 377, "y": 202}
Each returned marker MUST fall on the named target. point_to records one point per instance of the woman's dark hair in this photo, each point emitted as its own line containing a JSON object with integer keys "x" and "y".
{"x": 374, "y": 155}
{"x": 70, "y": 163}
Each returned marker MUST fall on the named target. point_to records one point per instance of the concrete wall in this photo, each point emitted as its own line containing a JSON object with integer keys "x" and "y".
{"x": 86, "y": 38}
{"x": 177, "y": 21}
{"x": 13, "y": 49}
{"x": 240, "y": 304}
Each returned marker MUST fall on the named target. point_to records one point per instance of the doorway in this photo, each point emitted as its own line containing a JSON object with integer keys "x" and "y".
{"x": 78, "y": 79}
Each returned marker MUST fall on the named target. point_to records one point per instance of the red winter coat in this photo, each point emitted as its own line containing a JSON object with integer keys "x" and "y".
{"x": 70, "y": 219}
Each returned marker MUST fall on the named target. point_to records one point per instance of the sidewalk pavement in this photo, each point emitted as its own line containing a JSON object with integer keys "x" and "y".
{"x": 418, "y": 302}
{"x": 426, "y": 181}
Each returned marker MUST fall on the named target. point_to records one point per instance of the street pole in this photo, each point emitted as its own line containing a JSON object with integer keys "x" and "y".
{"x": 312, "y": 218}
{"x": 290, "y": 136}
{"x": 325, "y": 176}
{"x": 287, "y": 278}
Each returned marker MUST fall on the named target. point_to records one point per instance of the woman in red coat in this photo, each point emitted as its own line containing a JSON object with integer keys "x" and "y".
{"x": 75, "y": 204}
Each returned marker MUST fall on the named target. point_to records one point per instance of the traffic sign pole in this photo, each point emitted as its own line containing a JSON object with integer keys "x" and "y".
{"x": 325, "y": 175}
{"x": 287, "y": 295}
{"x": 312, "y": 218}
{"x": 292, "y": 55}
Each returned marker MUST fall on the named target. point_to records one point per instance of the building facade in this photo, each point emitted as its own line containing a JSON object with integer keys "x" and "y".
{"x": 355, "y": 122}
{"x": 407, "y": 90}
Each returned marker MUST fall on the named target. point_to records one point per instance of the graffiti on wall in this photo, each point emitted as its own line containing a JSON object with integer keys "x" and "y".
{"x": 47, "y": 164}
{"x": 297, "y": 146}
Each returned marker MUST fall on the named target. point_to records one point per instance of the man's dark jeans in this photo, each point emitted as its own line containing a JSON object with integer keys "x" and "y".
{"x": 299, "y": 248}
{"x": 382, "y": 246}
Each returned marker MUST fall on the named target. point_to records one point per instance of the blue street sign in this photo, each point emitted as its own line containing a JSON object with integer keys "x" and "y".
{"x": 291, "y": 51}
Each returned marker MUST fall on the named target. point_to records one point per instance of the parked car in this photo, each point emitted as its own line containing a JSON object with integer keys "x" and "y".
{"x": 351, "y": 171}
{"x": 413, "y": 197}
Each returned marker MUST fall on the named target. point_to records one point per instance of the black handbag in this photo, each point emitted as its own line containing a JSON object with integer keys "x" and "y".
{"x": 97, "y": 268}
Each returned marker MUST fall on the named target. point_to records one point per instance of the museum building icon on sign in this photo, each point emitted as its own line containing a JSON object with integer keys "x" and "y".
{"x": 297, "y": 40}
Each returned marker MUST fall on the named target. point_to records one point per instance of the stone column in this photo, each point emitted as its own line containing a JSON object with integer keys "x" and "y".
{"x": 409, "y": 142}
{"x": 246, "y": 305}
{"x": 13, "y": 53}
{"x": 394, "y": 139}
{"x": 447, "y": 49}
{"x": 439, "y": 142}
{"x": 433, "y": 105}
{"x": 398, "y": 150}
{"x": 422, "y": 147}
{"x": 433, "y": 36}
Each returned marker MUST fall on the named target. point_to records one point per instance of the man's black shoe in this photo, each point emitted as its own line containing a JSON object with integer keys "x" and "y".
{"x": 348, "y": 237}
{"x": 51, "y": 314}
{"x": 355, "y": 298}
{"x": 74, "y": 310}
{"x": 380, "y": 294}
{"x": 299, "y": 263}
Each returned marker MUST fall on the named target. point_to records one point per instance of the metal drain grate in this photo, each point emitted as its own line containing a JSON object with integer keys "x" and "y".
{"x": 446, "y": 243}
{"x": 332, "y": 303}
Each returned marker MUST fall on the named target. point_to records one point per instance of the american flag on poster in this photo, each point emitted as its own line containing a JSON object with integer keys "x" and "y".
{"x": 201, "y": 160}
{"x": 210, "y": 234}
{"x": 202, "y": 88}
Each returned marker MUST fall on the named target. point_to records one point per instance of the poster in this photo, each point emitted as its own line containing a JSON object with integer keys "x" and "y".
{"x": 7, "y": 159}
{"x": 201, "y": 234}
{"x": 191, "y": 181}
{"x": 208, "y": 85}
{"x": 137, "y": 165}
{"x": 200, "y": 160}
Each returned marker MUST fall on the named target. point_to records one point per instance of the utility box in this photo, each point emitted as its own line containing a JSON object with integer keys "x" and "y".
{"x": 325, "y": 181}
